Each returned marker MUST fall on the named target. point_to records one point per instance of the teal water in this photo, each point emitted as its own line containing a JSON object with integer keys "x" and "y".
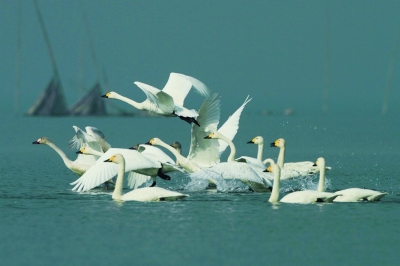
{"x": 44, "y": 223}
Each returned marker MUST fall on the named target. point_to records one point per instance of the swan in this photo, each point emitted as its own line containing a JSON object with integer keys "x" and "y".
{"x": 350, "y": 194}
{"x": 206, "y": 153}
{"x": 92, "y": 137}
{"x": 305, "y": 196}
{"x": 245, "y": 172}
{"x": 79, "y": 166}
{"x": 169, "y": 100}
{"x": 100, "y": 172}
{"x": 296, "y": 169}
{"x": 141, "y": 194}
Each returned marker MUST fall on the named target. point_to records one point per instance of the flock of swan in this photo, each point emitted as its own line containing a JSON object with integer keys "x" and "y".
{"x": 98, "y": 163}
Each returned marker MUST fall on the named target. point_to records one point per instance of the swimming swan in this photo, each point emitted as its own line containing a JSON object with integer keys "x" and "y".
{"x": 169, "y": 100}
{"x": 101, "y": 172}
{"x": 305, "y": 196}
{"x": 141, "y": 194}
{"x": 79, "y": 166}
{"x": 350, "y": 194}
{"x": 295, "y": 169}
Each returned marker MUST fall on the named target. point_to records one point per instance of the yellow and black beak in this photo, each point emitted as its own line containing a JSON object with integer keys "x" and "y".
{"x": 209, "y": 136}
{"x": 105, "y": 95}
{"x": 269, "y": 169}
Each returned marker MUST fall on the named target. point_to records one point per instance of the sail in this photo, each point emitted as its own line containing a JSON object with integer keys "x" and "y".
{"x": 52, "y": 101}
{"x": 90, "y": 104}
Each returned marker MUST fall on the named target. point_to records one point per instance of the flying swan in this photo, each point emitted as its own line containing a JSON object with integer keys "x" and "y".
{"x": 169, "y": 100}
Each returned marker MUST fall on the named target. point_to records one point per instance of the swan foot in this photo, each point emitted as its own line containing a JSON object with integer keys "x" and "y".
{"x": 162, "y": 175}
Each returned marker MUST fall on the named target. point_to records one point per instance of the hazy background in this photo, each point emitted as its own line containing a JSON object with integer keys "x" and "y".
{"x": 275, "y": 51}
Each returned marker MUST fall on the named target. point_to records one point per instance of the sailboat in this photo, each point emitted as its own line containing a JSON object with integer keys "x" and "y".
{"x": 52, "y": 101}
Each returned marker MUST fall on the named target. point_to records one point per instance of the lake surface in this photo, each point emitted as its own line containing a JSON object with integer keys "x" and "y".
{"x": 43, "y": 222}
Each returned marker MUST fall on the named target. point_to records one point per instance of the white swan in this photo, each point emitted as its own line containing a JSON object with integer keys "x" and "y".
{"x": 304, "y": 197}
{"x": 350, "y": 194}
{"x": 92, "y": 137}
{"x": 79, "y": 166}
{"x": 245, "y": 172}
{"x": 295, "y": 169}
{"x": 101, "y": 172}
{"x": 206, "y": 153}
{"x": 141, "y": 194}
{"x": 169, "y": 100}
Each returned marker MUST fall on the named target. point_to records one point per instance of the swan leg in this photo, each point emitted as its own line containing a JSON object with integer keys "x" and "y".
{"x": 162, "y": 175}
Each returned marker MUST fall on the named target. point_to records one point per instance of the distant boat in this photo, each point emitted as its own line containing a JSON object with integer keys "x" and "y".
{"x": 51, "y": 102}
{"x": 90, "y": 104}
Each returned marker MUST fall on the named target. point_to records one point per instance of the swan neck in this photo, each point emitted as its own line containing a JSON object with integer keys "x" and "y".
{"x": 321, "y": 183}
{"x": 276, "y": 186}
{"x": 260, "y": 151}
{"x": 129, "y": 101}
{"x": 232, "y": 154}
{"x": 281, "y": 157}
{"x": 63, "y": 156}
{"x": 120, "y": 180}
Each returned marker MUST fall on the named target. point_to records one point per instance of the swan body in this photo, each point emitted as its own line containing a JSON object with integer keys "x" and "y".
{"x": 295, "y": 169}
{"x": 245, "y": 172}
{"x": 350, "y": 194}
{"x": 79, "y": 166}
{"x": 303, "y": 197}
{"x": 206, "y": 153}
{"x": 141, "y": 194}
{"x": 169, "y": 100}
{"x": 101, "y": 172}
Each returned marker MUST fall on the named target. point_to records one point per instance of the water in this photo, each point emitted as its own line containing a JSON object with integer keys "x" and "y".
{"x": 43, "y": 222}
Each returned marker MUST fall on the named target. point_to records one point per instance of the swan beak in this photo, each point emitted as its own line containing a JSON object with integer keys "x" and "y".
{"x": 315, "y": 164}
{"x": 36, "y": 142}
{"x": 208, "y": 136}
{"x": 132, "y": 148}
{"x": 105, "y": 95}
{"x": 79, "y": 152}
{"x": 272, "y": 144}
{"x": 250, "y": 142}
{"x": 108, "y": 160}
{"x": 269, "y": 169}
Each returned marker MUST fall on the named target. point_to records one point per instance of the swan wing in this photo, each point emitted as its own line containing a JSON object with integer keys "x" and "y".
{"x": 179, "y": 85}
{"x": 182, "y": 111}
{"x": 99, "y": 136}
{"x": 205, "y": 152}
{"x": 157, "y": 99}
{"x": 252, "y": 161}
{"x": 102, "y": 171}
{"x": 357, "y": 194}
{"x": 155, "y": 153}
{"x": 80, "y": 139}
{"x": 230, "y": 127}
{"x": 135, "y": 180}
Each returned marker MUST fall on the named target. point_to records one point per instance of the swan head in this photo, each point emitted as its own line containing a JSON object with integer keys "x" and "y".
{"x": 110, "y": 94}
{"x": 280, "y": 143}
{"x": 273, "y": 168}
{"x": 320, "y": 163}
{"x": 215, "y": 135}
{"x": 42, "y": 140}
{"x": 117, "y": 158}
{"x": 256, "y": 140}
{"x": 86, "y": 150}
{"x": 177, "y": 146}
{"x": 154, "y": 141}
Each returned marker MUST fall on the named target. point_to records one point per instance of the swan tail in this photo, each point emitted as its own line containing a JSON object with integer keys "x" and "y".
{"x": 329, "y": 198}
{"x": 376, "y": 197}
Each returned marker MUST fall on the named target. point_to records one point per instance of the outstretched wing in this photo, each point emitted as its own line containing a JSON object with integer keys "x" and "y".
{"x": 205, "y": 152}
{"x": 81, "y": 139}
{"x": 179, "y": 85}
{"x": 231, "y": 126}
{"x": 102, "y": 171}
